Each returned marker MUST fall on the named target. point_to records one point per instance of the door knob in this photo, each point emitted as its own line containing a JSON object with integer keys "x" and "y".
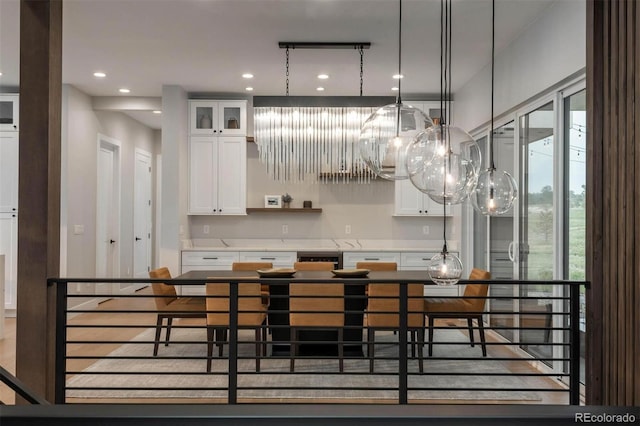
{"x": 138, "y": 238}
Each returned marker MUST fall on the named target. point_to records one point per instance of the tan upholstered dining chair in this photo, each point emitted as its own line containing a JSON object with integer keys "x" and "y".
{"x": 316, "y": 306}
{"x": 170, "y": 306}
{"x": 469, "y": 307}
{"x": 383, "y": 306}
{"x": 254, "y": 266}
{"x": 252, "y": 313}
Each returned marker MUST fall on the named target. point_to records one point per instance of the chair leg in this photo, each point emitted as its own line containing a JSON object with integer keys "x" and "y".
{"x": 430, "y": 336}
{"x": 470, "y": 325}
{"x": 413, "y": 343}
{"x": 293, "y": 348}
{"x": 420, "y": 333}
{"x": 258, "y": 348}
{"x": 210, "y": 334}
{"x": 221, "y": 336}
{"x": 483, "y": 342}
{"x": 169, "y": 322}
{"x": 264, "y": 338}
{"x": 341, "y": 349}
{"x": 371, "y": 337}
{"x": 158, "y": 331}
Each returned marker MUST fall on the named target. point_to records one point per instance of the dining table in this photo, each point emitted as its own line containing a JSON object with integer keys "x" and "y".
{"x": 318, "y": 342}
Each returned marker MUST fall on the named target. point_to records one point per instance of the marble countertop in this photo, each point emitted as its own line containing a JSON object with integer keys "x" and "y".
{"x": 301, "y": 244}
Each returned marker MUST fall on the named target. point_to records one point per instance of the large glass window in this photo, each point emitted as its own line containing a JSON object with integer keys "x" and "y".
{"x": 575, "y": 179}
{"x": 536, "y": 251}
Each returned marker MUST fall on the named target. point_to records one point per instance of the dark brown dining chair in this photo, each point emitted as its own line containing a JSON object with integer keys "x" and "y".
{"x": 252, "y": 314}
{"x": 383, "y": 305}
{"x": 469, "y": 307}
{"x": 170, "y": 306}
{"x": 316, "y": 306}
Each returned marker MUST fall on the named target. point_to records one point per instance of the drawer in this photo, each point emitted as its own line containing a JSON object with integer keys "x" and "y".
{"x": 416, "y": 260}
{"x": 278, "y": 258}
{"x": 208, "y": 258}
{"x": 349, "y": 259}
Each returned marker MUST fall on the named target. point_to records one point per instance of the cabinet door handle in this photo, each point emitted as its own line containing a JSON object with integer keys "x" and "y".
{"x": 267, "y": 258}
{"x": 210, "y": 258}
{"x": 214, "y": 131}
{"x": 371, "y": 258}
{"x": 424, "y": 258}
{"x": 138, "y": 238}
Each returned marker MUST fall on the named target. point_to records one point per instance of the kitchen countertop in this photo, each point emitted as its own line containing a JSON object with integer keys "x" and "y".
{"x": 301, "y": 244}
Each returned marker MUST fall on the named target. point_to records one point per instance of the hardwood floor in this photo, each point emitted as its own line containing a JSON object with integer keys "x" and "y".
{"x": 8, "y": 358}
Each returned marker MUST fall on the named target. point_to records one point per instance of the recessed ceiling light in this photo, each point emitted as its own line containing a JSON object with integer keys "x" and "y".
{"x": 247, "y": 75}
{"x": 99, "y": 74}
{"x": 123, "y": 90}
{"x": 157, "y": 111}
{"x": 249, "y": 89}
{"x": 320, "y": 89}
{"x": 323, "y": 76}
{"x": 398, "y": 76}
{"x": 394, "y": 88}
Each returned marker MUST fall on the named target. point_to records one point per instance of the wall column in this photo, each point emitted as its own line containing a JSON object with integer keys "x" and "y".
{"x": 613, "y": 202}
{"x": 39, "y": 190}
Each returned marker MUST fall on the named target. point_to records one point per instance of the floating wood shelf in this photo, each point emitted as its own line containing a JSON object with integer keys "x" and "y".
{"x": 281, "y": 210}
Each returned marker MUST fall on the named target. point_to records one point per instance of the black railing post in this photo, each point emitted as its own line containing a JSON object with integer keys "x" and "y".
{"x": 233, "y": 342}
{"x": 574, "y": 344}
{"x": 402, "y": 341}
{"x": 60, "y": 288}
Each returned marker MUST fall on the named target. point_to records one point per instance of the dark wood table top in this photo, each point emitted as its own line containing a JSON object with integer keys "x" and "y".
{"x": 309, "y": 276}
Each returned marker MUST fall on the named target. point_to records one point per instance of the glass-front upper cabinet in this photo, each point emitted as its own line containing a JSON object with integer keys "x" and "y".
{"x": 225, "y": 118}
{"x": 9, "y": 112}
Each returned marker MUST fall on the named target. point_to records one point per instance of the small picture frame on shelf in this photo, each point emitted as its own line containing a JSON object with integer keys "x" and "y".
{"x": 272, "y": 201}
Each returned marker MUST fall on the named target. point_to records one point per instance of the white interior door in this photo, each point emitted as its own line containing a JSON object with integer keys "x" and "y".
{"x": 142, "y": 218}
{"x": 107, "y": 213}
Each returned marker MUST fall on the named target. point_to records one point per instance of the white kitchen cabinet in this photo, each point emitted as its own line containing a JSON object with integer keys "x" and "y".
{"x": 217, "y": 175}
{"x": 409, "y": 201}
{"x": 9, "y": 247}
{"x": 204, "y": 261}
{"x": 9, "y": 113}
{"x": 350, "y": 259}
{"x": 8, "y": 172}
{"x": 218, "y": 118}
{"x": 279, "y": 259}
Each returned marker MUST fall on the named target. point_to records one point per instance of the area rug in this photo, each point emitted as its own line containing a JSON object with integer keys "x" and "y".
{"x": 178, "y": 373}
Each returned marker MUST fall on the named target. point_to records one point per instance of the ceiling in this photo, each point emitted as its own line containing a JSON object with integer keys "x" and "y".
{"x": 206, "y": 45}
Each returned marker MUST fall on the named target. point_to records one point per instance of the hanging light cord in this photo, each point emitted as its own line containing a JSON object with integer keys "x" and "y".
{"x": 493, "y": 50}
{"x": 399, "y": 100}
{"x": 287, "y": 66}
{"x": 361, "y": 49}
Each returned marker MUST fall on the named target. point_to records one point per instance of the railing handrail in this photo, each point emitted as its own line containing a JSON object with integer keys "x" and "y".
{"x": 20, "y": 388}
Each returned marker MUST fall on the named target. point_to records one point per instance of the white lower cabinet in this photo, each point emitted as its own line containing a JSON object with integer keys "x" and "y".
{"x": 203, "y": 261}
{"x": 350, "y": 259}
{"x": 9, "y": 247}
{"x": 279, "y": 259}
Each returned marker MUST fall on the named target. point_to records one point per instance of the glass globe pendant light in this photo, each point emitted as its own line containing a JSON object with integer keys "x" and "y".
{"x": 385, "y": 135}
{"x": 496, "y": 190}
{"x": 444, "y": 161}
{"x": 444, "y": 154}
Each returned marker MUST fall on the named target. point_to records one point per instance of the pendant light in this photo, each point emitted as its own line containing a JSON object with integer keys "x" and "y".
{"x": 387, "y": 133}
{"x": 496, "y": 190}
{"x": 444, "y": 160}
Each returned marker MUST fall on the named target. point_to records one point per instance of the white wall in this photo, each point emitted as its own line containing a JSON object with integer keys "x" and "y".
{"x": 550, "y": 49}
{"x": 81, "y": 127}
{"x": 368, "y": 208}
